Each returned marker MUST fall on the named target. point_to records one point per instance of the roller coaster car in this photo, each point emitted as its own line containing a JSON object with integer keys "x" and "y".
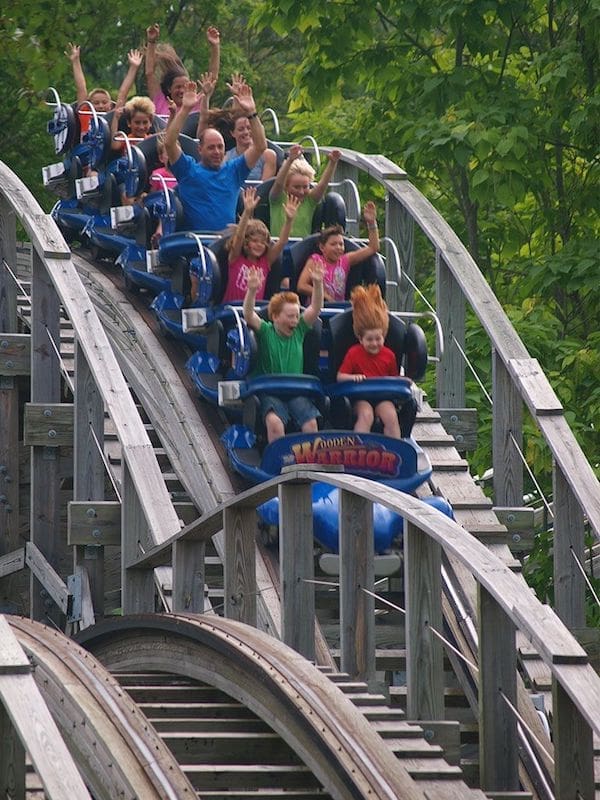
{"x": 399, "y": 463}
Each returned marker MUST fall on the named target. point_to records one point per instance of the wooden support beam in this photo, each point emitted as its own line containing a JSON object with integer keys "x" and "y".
{"x": 569, "y": 549}
{"x": 48, "y": 424}
{"x": 357, "y": 609}
{"x": 461, "y": 423}
{"x": 498, "y": 744}
{"x": 15, "y": 354}
{"x": 45, "y": 388}
{"x": 51, "y": 583}
{"x": 12, "y": 562}
{"x": 188, "y": 576}
{"x": 94, "y": 522}
{"x": 296, "y": 564}
{"x": 424, "y": 653}
{"x": 137, "y": 585}
{"x": 573, "y": 748}
{"x": 239, "y": 526}
{"x": 89, "y": 475}
{"x": 507, "y": 436}
{"x": 450, "y": 304}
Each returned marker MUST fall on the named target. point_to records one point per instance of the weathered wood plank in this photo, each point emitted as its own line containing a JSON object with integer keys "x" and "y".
{"x": 573, "y": 749}
{"x": 42, "y": 740}
{"x": 12, "y": 562}
{"x": 498, "y": 743}
{"x": 48, "y": 425}
{"x": 297, "y": 567}
{"x": 45, "y": 388}
{"x": 12, "y": 656}
{"x": 450, "y": 303}
{"x": 424, "y": 655}
{"x": 48, "y": 578}
{"x": 534, "y": 386}
{"x": 188, "y": 576}
{"x": 568, "y": 554}
{"x": 507, "y": 437}
{"x": 9, "y": 464}
{"x": 461, "y": 424}
{"x": 357, "y": 620}
{"x": 239, "y": 525}
{"x": 88, "y": 468}
{"x": 95, "y": 522}
{"x": 15, "y": 354}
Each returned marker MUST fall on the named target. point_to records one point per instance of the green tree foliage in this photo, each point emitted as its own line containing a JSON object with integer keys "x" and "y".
{"x": 493, "y": 108}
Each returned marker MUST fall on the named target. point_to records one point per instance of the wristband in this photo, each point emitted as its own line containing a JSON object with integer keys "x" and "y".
{"x": 252, "y": 116}
{"x": 372, "y": 226}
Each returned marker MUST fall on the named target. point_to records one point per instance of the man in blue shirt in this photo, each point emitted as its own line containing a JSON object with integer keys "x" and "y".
{"x": 209, "y": 189}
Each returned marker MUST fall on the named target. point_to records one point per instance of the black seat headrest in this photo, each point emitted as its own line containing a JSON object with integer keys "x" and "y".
{"x": 342, "y": 339}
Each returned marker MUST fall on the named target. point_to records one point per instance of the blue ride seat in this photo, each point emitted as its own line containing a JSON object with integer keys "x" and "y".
{"x": 410, "y": 348}
{"x": 371, "y": 270}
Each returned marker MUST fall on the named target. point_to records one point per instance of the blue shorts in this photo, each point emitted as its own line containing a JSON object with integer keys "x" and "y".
{"x": 300, "y": 409}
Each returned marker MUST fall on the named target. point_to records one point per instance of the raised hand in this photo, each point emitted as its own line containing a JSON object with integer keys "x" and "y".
{"x": 317, "y": 272}
{"x": 251, "y": 199}
{"x": 73, "y": 52}
{"x": 244, "y": 99}
{"x": 207, "y": 83}
{"x": 335, "y": 156}
{"x": 237, "y": 81}
{"x": 134, "y": 57}
{"x": 190, "y": 97}
{"x": 295, "y": 152}
{"x": 255, "y": 278}
{"x": 213, "y": 36}
{"x": 291, "y": 206}
{"x": 370, "y": 213}
{"x": 153, "y": 33}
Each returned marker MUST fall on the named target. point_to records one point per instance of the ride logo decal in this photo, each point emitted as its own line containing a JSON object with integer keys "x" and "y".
{"x": 358, "y": 454}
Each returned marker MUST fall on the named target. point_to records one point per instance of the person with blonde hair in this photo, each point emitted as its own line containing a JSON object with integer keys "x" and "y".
{"x": 295, "y": 178}
{"x": 139, "y": 115}
{"x": 370, "y": 358}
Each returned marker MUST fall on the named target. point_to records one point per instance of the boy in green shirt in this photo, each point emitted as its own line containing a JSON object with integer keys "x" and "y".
{"x": 280, "y": 350}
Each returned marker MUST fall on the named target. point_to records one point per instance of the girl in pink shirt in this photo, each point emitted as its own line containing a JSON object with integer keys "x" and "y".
{"x": 251, "y": 246}
{"x": 335, "y": 262}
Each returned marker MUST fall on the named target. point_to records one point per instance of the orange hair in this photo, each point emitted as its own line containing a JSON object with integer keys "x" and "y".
{"x": 277, "y": 302}
{"x": 369, "y": 310}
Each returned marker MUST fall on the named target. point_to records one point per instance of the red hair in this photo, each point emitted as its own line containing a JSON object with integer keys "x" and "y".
{"x": 369, "y": 310}
{"x": 277, "y": 302}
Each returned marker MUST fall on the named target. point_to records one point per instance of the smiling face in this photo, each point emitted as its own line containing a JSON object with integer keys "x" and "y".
{"x": 255, "y": 246}
{"x": 177, "y": 89}
{"x": 242, "y": 134}
{"x": 297, "y": 185}
{"x": 333, "y": 249}
{"x": 139, "y": 125}
{"x": 286, "y": 321}
{"x": 372, "y": 340}
{"x": 211, "y": 149}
